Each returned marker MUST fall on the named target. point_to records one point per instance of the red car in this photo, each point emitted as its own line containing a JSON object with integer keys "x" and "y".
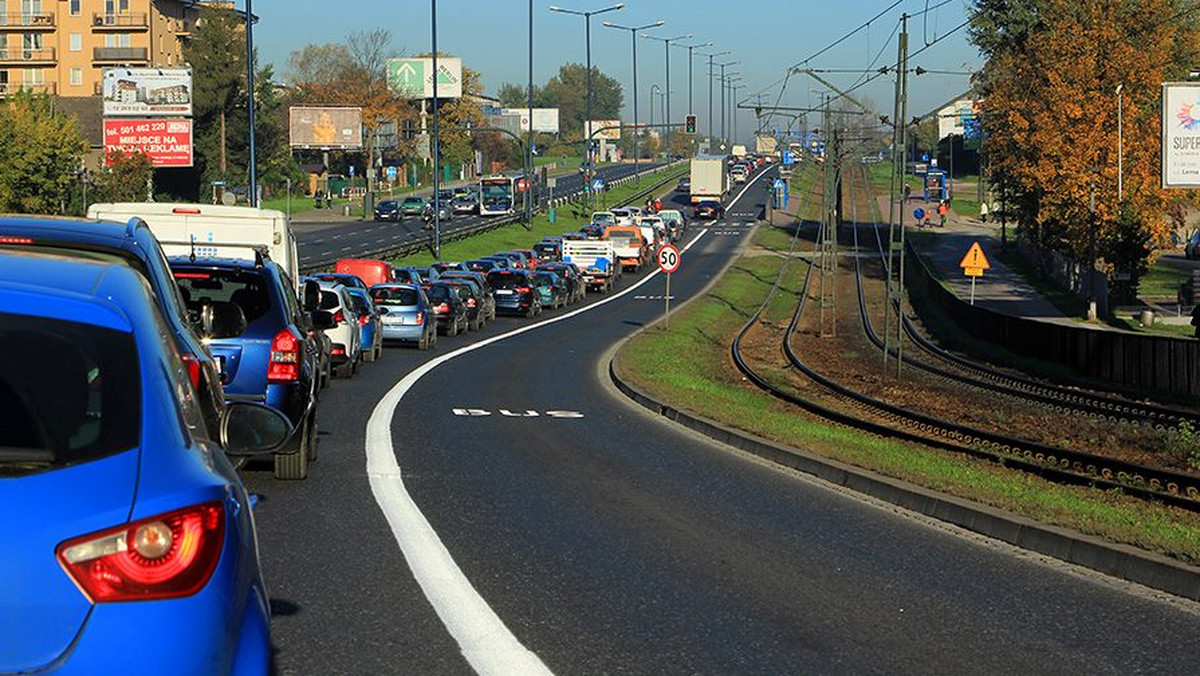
{"x": 708, "y": 209}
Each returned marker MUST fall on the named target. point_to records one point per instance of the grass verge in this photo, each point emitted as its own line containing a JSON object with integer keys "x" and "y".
{"x": 707, "y": 384}
{"x": 568, "y": 217}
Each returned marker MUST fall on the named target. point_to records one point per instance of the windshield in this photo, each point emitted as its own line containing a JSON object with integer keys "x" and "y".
{"x": 506, "y": 280}
{"x": 248, "y": 289}
{"x": 395, "y": 295}
{"x": 72, "y": 390}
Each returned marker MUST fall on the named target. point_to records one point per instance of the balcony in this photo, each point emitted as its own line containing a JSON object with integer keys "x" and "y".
{"x": 10, "y": 88}
{"x": 15, "y": 55}
{"x": 120, "y": 22}
{"x": 120, "y": 54}
{"x": 27, "y": 22}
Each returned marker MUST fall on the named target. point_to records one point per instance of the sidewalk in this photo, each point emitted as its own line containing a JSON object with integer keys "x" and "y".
{"x": 1000, "y": 289}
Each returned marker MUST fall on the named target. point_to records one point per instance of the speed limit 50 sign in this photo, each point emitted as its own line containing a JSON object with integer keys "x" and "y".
{"x": 668, "y": 259}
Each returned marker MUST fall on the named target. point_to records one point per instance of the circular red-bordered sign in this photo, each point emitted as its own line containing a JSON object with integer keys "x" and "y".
{"x": 668, "y": 259}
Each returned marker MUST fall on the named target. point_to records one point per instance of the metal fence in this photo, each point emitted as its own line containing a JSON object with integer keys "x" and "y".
{"x": 1127, "y": 361}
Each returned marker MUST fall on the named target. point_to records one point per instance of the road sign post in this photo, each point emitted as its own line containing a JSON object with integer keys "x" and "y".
{"x": 973, "y": 264}
{"x": 668, "y": 261}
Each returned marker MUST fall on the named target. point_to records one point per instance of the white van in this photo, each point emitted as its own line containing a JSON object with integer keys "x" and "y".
{"x": 211, "y": 231}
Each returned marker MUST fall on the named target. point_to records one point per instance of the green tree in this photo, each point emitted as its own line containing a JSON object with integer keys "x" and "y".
{"x": 124, "y": 179}
{"x": 567, "y": 91}
{"x": 40, "y": 152}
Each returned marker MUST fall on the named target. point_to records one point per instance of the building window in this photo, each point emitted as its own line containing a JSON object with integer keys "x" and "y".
{"x": 74, "y": 8}
{"x": 76, "y": 77}
{"x": 124, "y": 40}
{"x": 76, "y": 42}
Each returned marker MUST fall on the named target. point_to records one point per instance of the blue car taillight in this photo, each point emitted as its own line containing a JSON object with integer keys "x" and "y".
{"x": 166, "y": 556}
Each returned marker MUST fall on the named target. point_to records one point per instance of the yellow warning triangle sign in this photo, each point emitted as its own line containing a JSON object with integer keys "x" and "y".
{"x": 975, "y": 258}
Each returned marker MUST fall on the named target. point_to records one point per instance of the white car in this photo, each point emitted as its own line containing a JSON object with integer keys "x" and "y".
{"x": 623, "y": 215}
{"x": 345, "y": 354}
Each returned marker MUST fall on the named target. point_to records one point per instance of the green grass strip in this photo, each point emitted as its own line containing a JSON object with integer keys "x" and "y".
{"x": 706, "y": 383}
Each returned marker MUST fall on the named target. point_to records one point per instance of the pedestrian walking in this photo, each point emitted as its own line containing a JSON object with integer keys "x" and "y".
{"x": 943, "y": 210}
{"x": 983, "y": 211}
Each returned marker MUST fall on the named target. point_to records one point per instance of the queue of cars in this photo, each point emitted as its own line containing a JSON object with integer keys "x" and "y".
{"x": 450, "y": 203}
{"x": 142, "y": 362}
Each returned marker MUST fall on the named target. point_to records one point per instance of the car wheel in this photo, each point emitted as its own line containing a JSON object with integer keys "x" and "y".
{"x": 356, "y": 364}
{"x": 423, "y": 342}
{"x": 369, "y": 355}
{"x": 293, "y": 466}
{"x": 378, "y": 352}
{"x": 453, "y": 330}
{"x": 529, "y": 314}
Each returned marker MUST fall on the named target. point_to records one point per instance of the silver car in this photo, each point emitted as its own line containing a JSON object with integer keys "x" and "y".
{"x": 405, "y": 314}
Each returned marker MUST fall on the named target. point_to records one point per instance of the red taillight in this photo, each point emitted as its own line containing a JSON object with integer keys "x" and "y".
{"x": 15, "y": 240}
{"x": 284, "y": 366}
{"x": 420, "y": 318}
{"x": 192, "y": 275}
{"x": 339, "y": 317}
{"x": 523, "y": 289}
{"x": 193, "y": 368}
{"x": 166, "y": 556}
{"x": 186, "y": 210}
{"x": 364, "y": 320}
{"x": 441, "y": 307}
{"x": 337, "y": 351}
{"x": 470, "y": 302}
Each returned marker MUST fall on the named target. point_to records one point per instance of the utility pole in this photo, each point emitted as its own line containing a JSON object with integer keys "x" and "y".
{"x": 829, "y": 227}
{"x": 437, "y": 157}
{"x": 250, "y": 96}
{"x": 895, "y": 283}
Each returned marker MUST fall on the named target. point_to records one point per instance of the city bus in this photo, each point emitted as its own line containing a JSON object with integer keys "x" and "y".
{"x": 496, "y": 195}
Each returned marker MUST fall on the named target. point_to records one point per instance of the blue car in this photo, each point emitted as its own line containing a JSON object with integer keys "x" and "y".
{"x": 123, "y": 523}
{"x": 274, "y": 361}
{"x": 406, "y": 314}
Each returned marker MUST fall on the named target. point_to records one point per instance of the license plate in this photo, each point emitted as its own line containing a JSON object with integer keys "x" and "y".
{"x": 393, "y": 320}
{"x": 503, "y": 292}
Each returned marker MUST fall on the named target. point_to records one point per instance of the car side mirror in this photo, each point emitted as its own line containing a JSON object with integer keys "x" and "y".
{"x": 322, "y": 319}
{"x": 312, "y": 296}
{"x": 248, "y": 428}
{"x": 222, "y": 319}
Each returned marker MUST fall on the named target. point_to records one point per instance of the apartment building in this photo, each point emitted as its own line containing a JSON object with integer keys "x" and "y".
{"x": 61, "y": 47}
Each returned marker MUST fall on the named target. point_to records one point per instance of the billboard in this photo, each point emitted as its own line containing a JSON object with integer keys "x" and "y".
{"x": 413, "y": 78}
{"x": 168, "y": 143}
{"x": 1180, "y": 135}
{"x": 952, "y": 119}
{"x": 613, "y": 134}
{"x": 142, "y": 92}
{"x": 325, "y": 127}
{"x": 545, "y": 120}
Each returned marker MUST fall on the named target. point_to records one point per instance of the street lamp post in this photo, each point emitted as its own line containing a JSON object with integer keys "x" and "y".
{"x": 633, "y": 31}
{"x": 1120, "y": 144}
{"x": 250, "y": 96}
{"x": 734, "y": 87}
{"x": 652, "y": 95}
{"x": 711, "y": 119}
{"x": 529, "y": 143}
{"x": 437, "y": 138}
{"x": 722, "y": 80}
{"x": 667, "y": 54}
{"x": 690, "y": 48}
{"x": 587, "y": 23}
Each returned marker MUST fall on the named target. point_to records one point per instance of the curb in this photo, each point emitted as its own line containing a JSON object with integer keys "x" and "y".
{"x": 1116, "y": 560}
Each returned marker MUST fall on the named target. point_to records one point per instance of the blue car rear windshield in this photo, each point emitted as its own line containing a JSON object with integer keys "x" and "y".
{"x": 245, "y": 288}
{"x": 70, "y": 389}
{"x": 395, "y": 296}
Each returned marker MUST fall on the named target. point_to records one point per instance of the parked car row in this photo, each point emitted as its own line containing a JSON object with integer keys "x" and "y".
{"x": 450, "y": 202}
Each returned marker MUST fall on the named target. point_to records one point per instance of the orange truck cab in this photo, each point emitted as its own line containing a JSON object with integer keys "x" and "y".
{"x": 372, "y": 272}
{"x": 628, "y": 245}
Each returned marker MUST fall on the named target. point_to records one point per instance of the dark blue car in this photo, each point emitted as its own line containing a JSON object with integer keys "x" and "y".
{"x": 275, "y": 361}
{"x": 122, "y": 523}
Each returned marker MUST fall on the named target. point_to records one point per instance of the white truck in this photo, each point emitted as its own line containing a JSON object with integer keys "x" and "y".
{"x": 596, "y": 260}
{"x": 739, "y": 151}
{"x": 212, "y": 231}
{"x": 709, "y": 178}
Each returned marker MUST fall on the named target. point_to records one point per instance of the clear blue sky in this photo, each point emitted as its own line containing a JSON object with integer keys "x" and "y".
{"x": 766, "y": 36}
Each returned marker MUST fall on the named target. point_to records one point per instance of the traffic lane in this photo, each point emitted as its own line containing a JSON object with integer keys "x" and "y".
{"x": 611, "y": 542}
{"x": 343, "y": 599}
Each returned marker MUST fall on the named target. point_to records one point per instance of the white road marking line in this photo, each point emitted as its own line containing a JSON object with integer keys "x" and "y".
{"x": 486, "y": 643}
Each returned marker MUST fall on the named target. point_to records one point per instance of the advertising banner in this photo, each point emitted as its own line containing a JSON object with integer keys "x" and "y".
{"x": 545, "y": 120}
{"x": 142, "y": 92}
{"x": 413, "y": 78}
{"x": 613, "y": 134}
{"x": 325, "y": 127}
{"x": 1180, "y": 135}
{"x": 168, "y": 143}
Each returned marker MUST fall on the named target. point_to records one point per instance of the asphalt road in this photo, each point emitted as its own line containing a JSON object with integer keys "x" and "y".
{"x": 606, "y": 541}
{"x": 322, "y": 240}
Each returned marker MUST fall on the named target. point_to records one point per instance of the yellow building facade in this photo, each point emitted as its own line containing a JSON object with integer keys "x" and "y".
{"x": 61, "y": 47}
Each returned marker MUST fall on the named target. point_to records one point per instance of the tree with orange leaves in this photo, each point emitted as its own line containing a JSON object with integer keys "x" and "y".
{"x": 1050, "y": 96}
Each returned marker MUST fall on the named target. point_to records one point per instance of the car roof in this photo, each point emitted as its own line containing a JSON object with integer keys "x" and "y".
{"x": 239, "y": 263}
{"x": 70, "y": 288}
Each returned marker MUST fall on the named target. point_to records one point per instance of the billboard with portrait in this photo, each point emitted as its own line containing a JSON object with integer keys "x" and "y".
{"x": 325, "y": 127}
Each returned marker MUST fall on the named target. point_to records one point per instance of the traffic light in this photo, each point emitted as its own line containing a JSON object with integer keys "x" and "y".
{"x": 690, "y": 125}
